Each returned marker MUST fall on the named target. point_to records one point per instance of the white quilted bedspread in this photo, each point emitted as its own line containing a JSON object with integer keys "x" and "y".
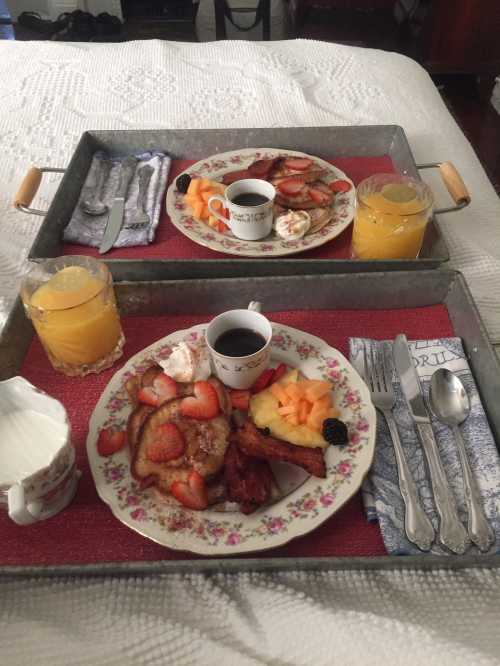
{"x": 49, "y": 94}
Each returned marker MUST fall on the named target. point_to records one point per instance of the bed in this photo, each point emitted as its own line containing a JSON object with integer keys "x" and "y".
{"x": 50, "y": 94}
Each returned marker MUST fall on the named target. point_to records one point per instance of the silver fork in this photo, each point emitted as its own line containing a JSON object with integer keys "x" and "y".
{"x": 141, "y": 218}
{"x": 418, "y": 527}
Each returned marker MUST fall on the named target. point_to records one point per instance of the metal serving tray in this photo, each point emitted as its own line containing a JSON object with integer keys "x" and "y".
{"x": 344, "y": 291}
{"x": 327, "y": 142}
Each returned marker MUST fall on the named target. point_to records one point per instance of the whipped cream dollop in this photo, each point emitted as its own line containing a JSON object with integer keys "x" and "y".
{"x": 293, "y": 224}
{"x": 188, "y": 362}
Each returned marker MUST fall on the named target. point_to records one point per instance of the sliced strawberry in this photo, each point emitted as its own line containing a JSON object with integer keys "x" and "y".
{"x": 222, "y": 228}
{"x": 318, "y": 196}
{"x": 148, "y": 396}
{"x": 168, "y": 445}
{"x": 240, "y": 399}
{"x": 291, "y": 186}
{"x": 279, "y": 371}
{"x": 340, "y": 186}
{"x": 192, "y": 494}
{"x": 165, "y": 387}
{"x": 263, "y": 381}
{"x": 110, "y": 441}
{"x": 205, "y": 403}
{"x": 298, "y": 163}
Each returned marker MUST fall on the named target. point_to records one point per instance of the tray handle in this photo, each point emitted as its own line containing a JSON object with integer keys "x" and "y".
{"x": 454, "y": 184}
{"x": 29, "y": 187}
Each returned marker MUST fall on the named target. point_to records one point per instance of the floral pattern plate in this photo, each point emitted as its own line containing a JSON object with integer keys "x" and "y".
{"x": 215, "y": 167}
{"x": 307, "y": 501}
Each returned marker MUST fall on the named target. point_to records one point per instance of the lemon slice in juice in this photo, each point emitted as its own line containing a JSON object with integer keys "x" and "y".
{"x": 68, "y": 288}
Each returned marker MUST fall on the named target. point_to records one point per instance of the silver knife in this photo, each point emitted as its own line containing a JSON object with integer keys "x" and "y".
{"x": 115, "y": 219}
{"x": 452, "y": 534}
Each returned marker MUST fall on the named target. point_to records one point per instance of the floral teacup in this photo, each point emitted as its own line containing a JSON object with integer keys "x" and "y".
{"x": 240, "y": 372}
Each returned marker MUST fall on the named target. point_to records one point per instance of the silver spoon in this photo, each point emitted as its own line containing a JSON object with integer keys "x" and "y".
{"x": 451, "y": 405}
{"x": 94, "y": 205}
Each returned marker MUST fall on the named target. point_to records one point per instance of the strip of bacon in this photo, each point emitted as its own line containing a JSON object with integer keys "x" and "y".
{"x": 262, "y": 168}
{"x": 233, "y": 176}
{"x": 254, "y": 443}
{"x": 249, "y": 481}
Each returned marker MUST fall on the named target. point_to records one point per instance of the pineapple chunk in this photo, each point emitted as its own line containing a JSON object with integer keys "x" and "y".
{"x": 264, "y": 413}
{"x": 289, "y": 377}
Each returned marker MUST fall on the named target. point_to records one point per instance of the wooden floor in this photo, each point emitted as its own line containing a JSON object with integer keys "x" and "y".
{"x": 467, "y": 98}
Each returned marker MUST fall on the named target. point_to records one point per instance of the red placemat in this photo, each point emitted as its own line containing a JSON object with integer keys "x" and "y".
{"x": 172, "y": 244}
{"x": 87, "y": 532}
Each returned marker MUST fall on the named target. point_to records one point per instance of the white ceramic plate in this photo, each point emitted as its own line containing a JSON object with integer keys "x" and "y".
{"x": 215, "y": 167}
{"x": 309, "y": 500}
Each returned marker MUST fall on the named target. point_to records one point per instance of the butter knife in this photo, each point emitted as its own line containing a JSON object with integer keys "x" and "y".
{"x": 452, "y": 534}
{"x": 115, "y": 219}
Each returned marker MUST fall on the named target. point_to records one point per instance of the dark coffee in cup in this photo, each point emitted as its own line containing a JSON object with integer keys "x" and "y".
{"x": 239, "y": 342}
{"x": 250, "y": 199}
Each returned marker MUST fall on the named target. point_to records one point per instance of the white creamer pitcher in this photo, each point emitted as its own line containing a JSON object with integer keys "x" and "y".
{"x": 38, "y": 475}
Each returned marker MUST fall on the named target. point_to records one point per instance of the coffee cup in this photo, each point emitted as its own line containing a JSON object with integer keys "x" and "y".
{"x": 250, "y": 205}
{"x": 38, "y": 474}
{"x": 239, "y": 342}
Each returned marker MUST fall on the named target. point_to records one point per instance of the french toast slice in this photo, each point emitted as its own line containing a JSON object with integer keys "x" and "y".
{"x": 206, "y": 443}
{"x": 319, "y": 218}
{"x": 303, "y": 200}
{"x": 134, "y": 384}
{"x": 134, "y": 424}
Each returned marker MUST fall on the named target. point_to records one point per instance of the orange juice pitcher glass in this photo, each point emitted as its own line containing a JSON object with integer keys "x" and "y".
{"x": 71, "y": 302}
{"x": 392, "y": 213}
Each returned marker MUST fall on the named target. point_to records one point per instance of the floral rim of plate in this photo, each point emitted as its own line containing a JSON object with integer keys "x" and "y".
{"x": 216, "y": 166}
{"x": 214, "y": 533}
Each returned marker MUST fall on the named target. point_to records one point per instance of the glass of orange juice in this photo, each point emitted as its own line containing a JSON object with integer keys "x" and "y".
{"x": 392, "y": 212}
{"x": 71, "y": 302}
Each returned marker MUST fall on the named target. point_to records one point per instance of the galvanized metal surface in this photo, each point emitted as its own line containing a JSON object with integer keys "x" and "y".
{"x": 353, "y": 291}
{"x": 268, "y": 564}
{"x": 197, "y": 144}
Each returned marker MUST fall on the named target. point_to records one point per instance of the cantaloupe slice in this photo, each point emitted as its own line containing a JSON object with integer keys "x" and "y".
{"x": 287, "y": 410}
{"x": 295, "y": 391}
{"x": 304, "y": 411}
{"x": 321, "y": 405}
{"x": 194, "y": 186}
{"x": 198, "y": 209}
{"x": 318, "y": 390}
{"x": 205, "y": 184}
{"x": 279, "y": 392}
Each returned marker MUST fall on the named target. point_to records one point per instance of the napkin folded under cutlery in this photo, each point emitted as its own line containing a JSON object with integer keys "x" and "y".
{"x": 86, "y": 229}
{"x": 381, "y": 494}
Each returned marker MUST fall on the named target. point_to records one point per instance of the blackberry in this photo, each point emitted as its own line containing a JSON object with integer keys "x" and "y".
{"x": 335, "y": 432}
{"x": 182, "y": 183}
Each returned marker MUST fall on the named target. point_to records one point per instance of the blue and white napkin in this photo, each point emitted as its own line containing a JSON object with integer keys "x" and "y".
{"x": 88, "y": 229}
{"x": 381, "y": 494}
